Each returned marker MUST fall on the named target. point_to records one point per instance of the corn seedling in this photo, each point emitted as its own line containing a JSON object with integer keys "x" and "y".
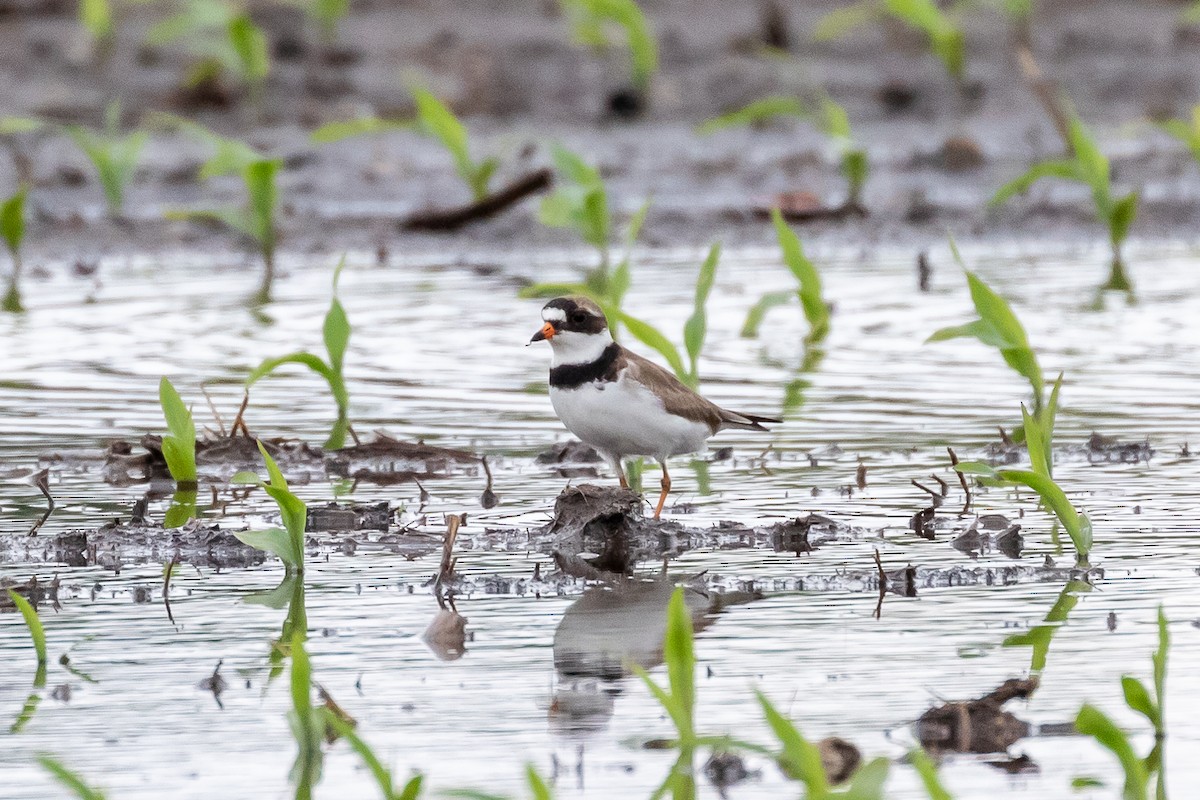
{"x": 928, "y": 772}
{"x": 679, "y": 698}
{"x": 998, "y": 327}
{"x": 828, "y": 116}
{"x": 1093, "y": 722}
{"x": 1087, "y": 165}
{"x": 1038, "y": 479}
{"x": 222, "y": 39}
{"x": 326, "y": 14}
{"x": 336, "y": 332}
{"x": 71, "y": 781}
{"x": 179, "y": 451}
{"x": 36, "y": 632}
{"x": 286, "y": 542}
{"x": 12, "y": 228}
{"x": 383, "y": 776}
{"x": 592, "y": 20}
{"x": 946, "y": 39}
{"x": 113, "y": 155}
{"x": 1186, "y": 131}
{"x": 96, "y": 17}
{"x": 800, "y": 760}
{"x": 581, "y": 203}
{"x": 435, "y": 119}
{"x": 808, "y": 289}
{"x": 1039, "y": 637}
{"x": 256, "y": 219}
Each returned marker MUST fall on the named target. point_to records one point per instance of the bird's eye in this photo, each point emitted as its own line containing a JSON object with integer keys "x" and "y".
{"x": 579, "y": 317}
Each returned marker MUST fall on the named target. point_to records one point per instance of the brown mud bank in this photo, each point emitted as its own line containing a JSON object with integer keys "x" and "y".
{"x": 937, "y": 154}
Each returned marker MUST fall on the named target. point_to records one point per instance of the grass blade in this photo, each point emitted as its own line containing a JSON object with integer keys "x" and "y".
{"x": 36, "y": 632}
{"x": 70, "y": 781}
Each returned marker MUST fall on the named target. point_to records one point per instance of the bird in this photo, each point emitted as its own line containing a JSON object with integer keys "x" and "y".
{"x": 621, "y": 403}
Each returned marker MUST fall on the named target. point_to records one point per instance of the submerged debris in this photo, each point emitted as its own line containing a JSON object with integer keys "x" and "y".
{"x": 977, "y": 726}
{"x": 115, "y": 544}
{"x": 1108, "y": 450}
{"x": 355, "y": 517}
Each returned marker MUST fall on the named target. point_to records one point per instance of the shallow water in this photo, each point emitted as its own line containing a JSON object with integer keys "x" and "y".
{"x": 438, "y": 354}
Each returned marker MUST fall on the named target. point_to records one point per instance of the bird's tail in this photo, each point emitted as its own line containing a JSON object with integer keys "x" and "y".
{"x": 752, "y": 422}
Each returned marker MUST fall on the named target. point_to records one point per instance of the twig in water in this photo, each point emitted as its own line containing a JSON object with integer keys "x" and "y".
{"x": 454, "y": 218}
{"x": 212, "y": 407}
{"x": 41, "y": 481}
{"x": 937, "y": 497}
{"x": 944, "y": 486}
{"x": 166, "y": 592}
{"x": 446, "y": 570}
{"x": 239, "y": 421}
{"x": 962, "y": 480}
{"x": 883, "y": 583}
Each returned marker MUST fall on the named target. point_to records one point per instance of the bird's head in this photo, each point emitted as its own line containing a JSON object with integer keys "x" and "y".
{"x": 575, "y": 327}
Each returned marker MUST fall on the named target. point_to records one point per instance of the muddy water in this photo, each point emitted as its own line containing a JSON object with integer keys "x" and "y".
{"x": 438, "y": 354}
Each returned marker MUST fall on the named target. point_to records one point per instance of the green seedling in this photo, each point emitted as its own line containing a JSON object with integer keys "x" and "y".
{"x": 223, "y": 39}
{"x": 1039, "y": 637}
{"x": 1078, "y": 525}
{"x": 336, "y": 332}
{"x": 1191, "y": 14}
{"x": 928, "y": 772}
{"x": 1087, "y": 165}
{"x": 256, "y": 218}
{"x": 179, "y": 451}
{"x": 12, "y": 228}
{"x": 592, "y": 20}
{"x": 580, "y": 202}
{"x": 71, "y": 781}
{"x": 1186, "y": 131}
{"x": 327, "y": 14}
{"x": 679, "y": 698}
{"x": 36, "y": 632}
{"x": 1093, "y": 722}
{"x": 827, "y": 116}
{"x": 946, "y": 39}
{"x": 114, "y": 155}
{"x": 382, "y": 775}
{"x": 998, "y": 327}
{"x": 808, "y": 289}
{"x": 800, "y": 760}
{"x": 435, "y": 119}
{"x": 17, "y": 136}
{"x": 96, "y": 17}
{"x": 286, "y": 542}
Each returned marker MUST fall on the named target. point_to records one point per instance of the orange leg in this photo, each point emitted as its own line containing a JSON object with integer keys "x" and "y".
{"x": 666, "y": 489}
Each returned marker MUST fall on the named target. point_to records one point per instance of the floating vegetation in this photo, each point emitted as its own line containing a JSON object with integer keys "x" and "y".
{"x": 336, "y": 333}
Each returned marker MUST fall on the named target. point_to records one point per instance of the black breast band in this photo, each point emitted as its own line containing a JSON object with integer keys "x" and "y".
{"x": 572, "y": 376}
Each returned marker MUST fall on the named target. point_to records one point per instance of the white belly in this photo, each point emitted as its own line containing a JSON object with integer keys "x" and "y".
{"x": 626, "y": 419}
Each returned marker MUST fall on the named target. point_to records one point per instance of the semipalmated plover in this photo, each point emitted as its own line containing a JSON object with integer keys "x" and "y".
{"x": 619, "y": 402}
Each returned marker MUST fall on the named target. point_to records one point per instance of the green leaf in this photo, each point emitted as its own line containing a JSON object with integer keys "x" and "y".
{"x": 758, "y": 311}
{"x": 363, "y": 126}
{"x": 1062, "y": 169}
{"x": 291, "y": 508}
{"x": 36, "y": 632}
{"x": 1035, "y": 440}
{"x": 276, "y": 541}
{"x": 179, "y": 445}
{"x": 551, "y": 290}
{"x": 579, "y": 202}
{"x": 868, "y": 780}
{"x": 412, "y": 789}
{"x": 10, "y": 126}
{"x": 70, "y": 780}
{"x": 438, "y": 121}
{"x": 481, "y": 176}
{"x": 1160, "y": 657}
{"x": 1137, "y": 697}
{"x": 345, "y": 731}
{"x": 537, "y": 787}
{"x": 816, "y": 310}
{"x": 97, "y": 17}
{"x": 800, "y": 759}
{"x": 696, "y": 327}
{"x": 250, "y": 45}
{"x": 1077, "y": 525}
{"x": 652, "y": 337}
{"x": 754, "y": 113}
{"x": 259, "y": 178}
{"x": 183, "y": 507}
{"x": 281, "y": 596}
{"x": 1093, "y": 722}
{"x": 839, "y": 22}
{"x": 308, "y": 726}
{"x": 245, "y": 478}
{"x": 12, "y": 220}
{"x": 1121, "y": 217}
{"x": 336, "y": 330}
{"x": 681, "y": 663}
{"x": 928, "y": 772}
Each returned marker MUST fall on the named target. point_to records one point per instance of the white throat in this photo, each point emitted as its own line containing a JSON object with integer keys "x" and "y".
{"x": 572, "y": 347}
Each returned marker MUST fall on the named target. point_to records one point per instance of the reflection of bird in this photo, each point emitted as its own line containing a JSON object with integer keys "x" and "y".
{"x": 620, "y": 403}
